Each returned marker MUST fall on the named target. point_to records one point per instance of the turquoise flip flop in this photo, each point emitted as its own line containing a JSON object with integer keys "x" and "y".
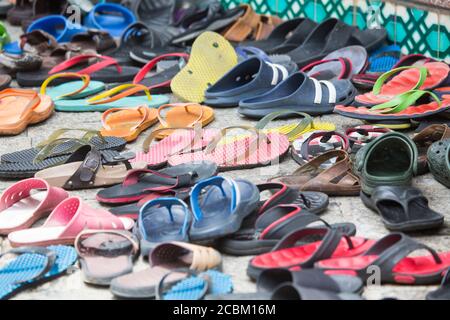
{"x": 59, "y": 92}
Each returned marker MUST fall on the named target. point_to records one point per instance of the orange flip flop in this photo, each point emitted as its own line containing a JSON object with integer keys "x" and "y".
{"x": 127, "y": 123}
{"x": 183, "y": 115}
{"x": 21, "y": 107}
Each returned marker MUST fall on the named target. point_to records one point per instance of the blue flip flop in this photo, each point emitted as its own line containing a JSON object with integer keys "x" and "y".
{"x": 219, "y": 206}
{"x": 111, "y": 17}
{"x": 34, "y": 265}
{"x": 59, "y": 91}
{"x": 162, "y": 220}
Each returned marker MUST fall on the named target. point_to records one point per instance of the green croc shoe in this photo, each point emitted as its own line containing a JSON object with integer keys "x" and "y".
{"x": 389, "y": 160}
{"x": 439, "y": 161}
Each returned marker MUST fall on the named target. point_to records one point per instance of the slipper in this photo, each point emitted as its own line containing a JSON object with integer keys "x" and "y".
{"x": 248, "y": 79}
{"x": 165, "y": 257}
{"x": 111, "y": 17}
{"x": 250, "y": 151}
{"x": 33, "y": 266}
{"x": 27, "y": 201}
{"x": 118, "y": 97}
{"x": 287, "y": 255}
{"x": 94, "y": 171}
{"x": 66, "y": 221}
{"x": 271, "y": 226}
{"x": 105, "y": 255}
{"x": 127, "y": 123}
{"x": 21, "y": 108}
{"x": 220, "y": 210}
{"x": 196, "y": 286}
{"x": 73, "y": 89}
{"x": 140, "y": 183}
{"x": 106, "y": 70}
{"x": 211, "y": 57}
{"x": 302, "y": 94}
{"x": 162, "y": 220}
{"x": 160, "y": 81}
{"x": 403, "y": 209}
{"x": 64, "y": 149}
{"x": 439, "y": 161}
{"x": 187, "y": 115}
{"x": 390, "y": 255}
{"x": 443, "y": 292}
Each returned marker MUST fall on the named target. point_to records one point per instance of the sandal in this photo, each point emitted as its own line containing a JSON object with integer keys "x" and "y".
{"x": 20, "y": 208}
{"x": 337, "y": 180}
{"x": 443, "y": 292}
{"x": 424, "y": 139}
{"x": 110, "y": 17}
{"x": 66, "y": 222}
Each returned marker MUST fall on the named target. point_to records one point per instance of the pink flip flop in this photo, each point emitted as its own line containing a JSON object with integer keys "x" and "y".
{"x": 67, "y": 220}
{"x": 248, "y": 151}
{"x": 27, "y": 201}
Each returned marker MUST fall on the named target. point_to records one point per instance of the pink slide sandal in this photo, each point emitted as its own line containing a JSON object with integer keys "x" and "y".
{"x": 27, "y": 201}
{"x": 67, "y": 220}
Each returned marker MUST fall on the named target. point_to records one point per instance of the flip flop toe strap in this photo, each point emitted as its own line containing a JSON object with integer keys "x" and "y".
{"x": 119, "y": 92}
{"x": 85, "y": 78}
{"x": 104, "y": 62}
{"x": 283, "y": 195}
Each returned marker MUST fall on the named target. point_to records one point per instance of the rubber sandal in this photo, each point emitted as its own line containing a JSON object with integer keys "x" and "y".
{"x": 443, "y": 292}
{"x": 337, "y": 180}
{"x": 73, "y": 89}
{"x": 162, "y": 220}
{"x": 248, "y": 79}
{"x": 439, "y": 161}
{"x": 222, "y": 207}
{"x": 33, "y": 266}
{"x": 47, "y": 158}
{"x": 403, "y": 209}
{"x": 65, "y": 148}
{"x": 211, "y": 57}
{"x": 21, "y": 108}
{"x": 313, "y": 144}
{"x": 165, "y": 258}
{"x": 390, "y": 255}
{"x": 27, "y": 201}
{"x": 111, "y": 17}
{"x": 127, "y": 123}
{"x": 105, "y": 255}
{"x": 250, "y": 151}
{"x": 389, "y": 160}
{"x": 140, "y": 183}
{"x": 160, "y": 81}
{"x": 117, "y": 97}
{"x": 106, "y": 70}
{"x": 271, "y": 226}
{"x": 187, "y": 115}
{"x": 302, "y": 94}
{"x": 196, "y": 286}
{"x": 94, "y": 171}
{"x": 66, "y": 221}
{"x": 287, "y": 255}
{"x": 58, "y": 26}
{"x": 360, "y": 136}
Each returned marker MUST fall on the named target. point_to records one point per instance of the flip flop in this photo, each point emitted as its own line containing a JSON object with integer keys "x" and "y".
{"x": 105, "y": 255}
{"x": 66, "y": 221}
{"x": 27, "y": 201}
{"x": 211, "y": 57}
{"x": 127, "y": 123}
{"x": 250, "y": 151}
{"x": 64, "y": 149}
{"x": 73, "y": 89}
{"x": 140, "y": 183}
{"x": 360, "y": 136}
{"x": 403, "y": 209}
{"x": 273, "y": 225}
{"x": 118, "y": 97}
{"x": 390, "y": 255}
{"x": 111, "y": 17}
{"x": 443, "y": 292}
{"x": 287, "y": 255}
{"x": 33, "y": 266}
{"x": 302, "y": 94}
{"x": 222, "y": 208}
{"x": 21, "y": 108}
{"x": 166, "y": 257}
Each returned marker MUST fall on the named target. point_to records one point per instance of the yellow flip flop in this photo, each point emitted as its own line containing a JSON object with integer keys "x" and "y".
{"x": 211, "y": 57}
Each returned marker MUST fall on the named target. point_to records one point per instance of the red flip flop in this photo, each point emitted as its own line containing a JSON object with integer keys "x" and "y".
{"x": 289, "y": 256}
{"x": 390, "y": 255}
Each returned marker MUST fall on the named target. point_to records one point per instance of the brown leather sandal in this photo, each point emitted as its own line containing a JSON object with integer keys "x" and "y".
{"x": 337, "y": 180}
{"x": 424, "y": 140}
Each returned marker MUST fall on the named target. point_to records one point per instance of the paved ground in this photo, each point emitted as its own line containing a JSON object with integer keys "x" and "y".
{"x": 340, "y": 210}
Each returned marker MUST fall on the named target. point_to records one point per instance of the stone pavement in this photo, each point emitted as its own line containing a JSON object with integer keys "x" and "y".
{"x": 348, "y": 209}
